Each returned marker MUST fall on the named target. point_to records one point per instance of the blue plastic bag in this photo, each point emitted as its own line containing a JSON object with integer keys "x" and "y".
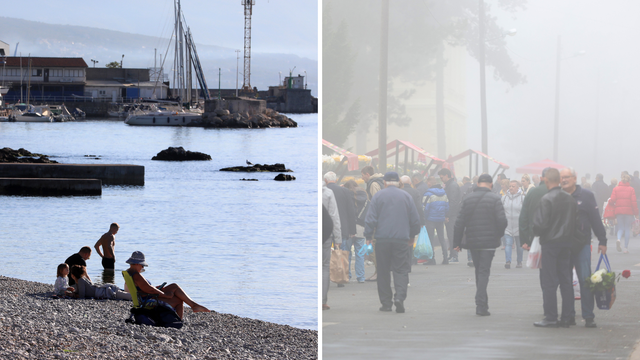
{"x": 366, "y": 250}
{"x": 423, "y": 249}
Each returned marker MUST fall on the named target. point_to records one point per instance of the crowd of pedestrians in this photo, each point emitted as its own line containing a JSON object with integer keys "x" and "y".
{"x": 479, "y": 215}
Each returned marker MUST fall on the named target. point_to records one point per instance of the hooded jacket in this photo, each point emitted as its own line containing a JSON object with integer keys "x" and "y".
{"x": 512, "y": 206}
{"x": 436, "y": 204}
{"x": 623, "y": 200}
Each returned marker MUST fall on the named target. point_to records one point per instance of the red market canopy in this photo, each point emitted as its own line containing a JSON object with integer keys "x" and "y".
{"x": 501, "y": 166}
{"x": 402, "y": 145}
{"x": 537, "y": 167}
{"x": 351, "y": 157}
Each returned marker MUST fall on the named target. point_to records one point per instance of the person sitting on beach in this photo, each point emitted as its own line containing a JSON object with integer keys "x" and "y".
{"x": 80, "y": 258}
{"x": 62, "y": 288}
{"x": 171, "y": 294}
{"x": 86, "y": 289}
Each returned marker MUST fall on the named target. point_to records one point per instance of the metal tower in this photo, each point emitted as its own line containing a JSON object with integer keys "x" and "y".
{"x": 248, "y": 9}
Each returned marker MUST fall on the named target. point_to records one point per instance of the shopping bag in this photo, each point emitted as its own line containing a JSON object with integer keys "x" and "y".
{"x": 423, "y": 249}
{"x": 635, "y": 228}
{"x": 339, "y": 266}
{"x": 606, "y": 298}
{"x": 533, "y": 260}
{"x": 576, "y": 285}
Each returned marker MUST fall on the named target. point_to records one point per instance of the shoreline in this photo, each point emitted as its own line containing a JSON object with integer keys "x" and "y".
{"x": 34, "y": 325}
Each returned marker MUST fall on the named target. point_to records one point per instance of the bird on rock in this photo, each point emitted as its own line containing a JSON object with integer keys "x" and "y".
{"x": 249, "y": 162}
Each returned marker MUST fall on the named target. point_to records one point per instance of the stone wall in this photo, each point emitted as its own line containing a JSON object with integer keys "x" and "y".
{"x": 237, "y": 105}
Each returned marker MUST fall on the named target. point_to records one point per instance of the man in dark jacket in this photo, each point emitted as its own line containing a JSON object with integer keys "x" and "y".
{"x": 466, "y": 185}
{"x": 589, "y": 218}
{"x": 455, "y": 198}
{"x": 415, "y": 195}
{"x": 393, "y": 217}
{"x": 346, "y": 209}
{"x": 418, "y": 183}
{"x": 436, "y": 205}
{"x": 482, "y": 222}
{"x": 555, "y": 223}
{"x": 600, "y": 191}
{"x": 529, "y": 206}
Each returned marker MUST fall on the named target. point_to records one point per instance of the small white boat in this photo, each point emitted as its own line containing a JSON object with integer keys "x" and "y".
{"x": 30, "y": 113}
{"x": 163, "y": 118}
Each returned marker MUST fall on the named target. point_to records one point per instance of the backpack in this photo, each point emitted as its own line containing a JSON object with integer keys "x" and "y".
{"x": 155, "y": 313}
{"x": 362, "y": 206}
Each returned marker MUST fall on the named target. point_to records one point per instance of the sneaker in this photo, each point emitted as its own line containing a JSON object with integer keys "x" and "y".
{"x": 325, "y": 307}
{"x": 626, "y": 251}
{"x": 385, "y": 308}
{"x": 444, "y": 262}
{"x": 453, "y": 260}
{"x": 431, "y": 261}
{"x": 590, "y": 323}
{"x": 340, "y": 285}
{"x": 618, "y": 247}
{"x": 507, "y": 265}
{"x": 519, "y": 266}
{"x": 470, "y": 264}
{"x": 399, "y": 307}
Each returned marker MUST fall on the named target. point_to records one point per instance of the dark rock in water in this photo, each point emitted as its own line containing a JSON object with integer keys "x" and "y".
{"x": 259, "y": 168}
{"x": 180, "y": 154}
{"x": 224, "y": 119}
{"x": 243, "y": 179}
{"x": 8, "y": 155}
{"x": 283, "y": 177}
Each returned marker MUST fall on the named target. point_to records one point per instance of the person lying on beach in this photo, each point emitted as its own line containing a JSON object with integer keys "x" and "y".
{"x": 86, "y": 289}
{"x": 61, "y": 287}
{"x": 171, "y": 294}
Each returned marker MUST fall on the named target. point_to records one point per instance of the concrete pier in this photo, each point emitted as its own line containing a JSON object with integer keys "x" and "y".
{"x": 50, "y": 187}
{"x": 109, "y": 174}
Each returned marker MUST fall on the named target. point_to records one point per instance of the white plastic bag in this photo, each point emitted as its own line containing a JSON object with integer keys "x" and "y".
{"x": 576, "y": 285}
{"x": 533, "y": 261}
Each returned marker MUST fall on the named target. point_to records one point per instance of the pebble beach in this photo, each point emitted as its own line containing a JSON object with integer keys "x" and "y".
{"x": 33, "y": 325}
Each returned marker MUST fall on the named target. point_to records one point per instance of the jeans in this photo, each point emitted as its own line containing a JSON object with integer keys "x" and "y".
{"x": 439, "y": 227}
{"x": 509, "y": 247}
{"x": 482, "y": 262}
{"x": 624, "y": 226}
{"x": 392, "y": 257}
{"x": 582, "y": 262}
{"x": 556, "y": 270}
{"x": 357, "y": 243}
{"x": 450, "y": 225}
{"x": 326, "y": 276}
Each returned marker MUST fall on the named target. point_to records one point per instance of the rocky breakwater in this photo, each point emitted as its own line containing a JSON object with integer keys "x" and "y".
{"x": 258, "y": 168}
{"x": 224, "y": 119}
{"x": 8, "y": 155}
{"x": 180, "y": 154}
{"x": 35, "y": 326}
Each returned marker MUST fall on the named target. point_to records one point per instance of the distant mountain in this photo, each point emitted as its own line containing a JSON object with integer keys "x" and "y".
{"x": 41, "y": 39}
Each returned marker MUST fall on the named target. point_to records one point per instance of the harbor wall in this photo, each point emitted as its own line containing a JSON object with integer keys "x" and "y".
{"x": 116, "y": 174}
{"x": 237, "y": 105}
{"x": 50, "y": 187}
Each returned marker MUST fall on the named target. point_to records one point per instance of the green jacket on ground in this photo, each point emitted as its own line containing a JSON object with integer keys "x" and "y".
{"x": 531, "y": 201}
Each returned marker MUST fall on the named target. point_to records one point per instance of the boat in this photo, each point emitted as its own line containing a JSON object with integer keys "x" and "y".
{"x": 30, "y": 113}
{"x": 60, "y": 113}
{"x": 162, "y": 117}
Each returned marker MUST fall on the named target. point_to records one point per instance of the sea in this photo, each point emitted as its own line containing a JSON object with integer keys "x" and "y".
{"x": 247, "y": 248}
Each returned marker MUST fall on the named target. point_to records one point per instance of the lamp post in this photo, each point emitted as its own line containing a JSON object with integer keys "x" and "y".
{"x": 121, "y": 61}
{"x": 94, "y": 62}
{"x": 237, "y": 69}
{"x": 556, "y": 122}
{"x": 305, "y": 79}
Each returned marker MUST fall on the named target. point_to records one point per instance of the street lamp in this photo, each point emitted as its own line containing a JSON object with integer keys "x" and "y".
{"x": 94, "y": 62}
{"x": 305, "y": 79}
{"x": 483, "y": 95}
{"x": 556, "y": 122}
{"x": 121, "y": 61}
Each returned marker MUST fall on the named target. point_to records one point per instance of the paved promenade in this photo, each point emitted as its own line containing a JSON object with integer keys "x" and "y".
{"x": 440, "y": 321}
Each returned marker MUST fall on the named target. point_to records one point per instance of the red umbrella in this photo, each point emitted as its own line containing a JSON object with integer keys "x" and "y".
{"x": 537, "y": 167}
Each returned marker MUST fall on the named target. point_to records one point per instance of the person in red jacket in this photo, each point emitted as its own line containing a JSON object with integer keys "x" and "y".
{"x": 624, "y": 205}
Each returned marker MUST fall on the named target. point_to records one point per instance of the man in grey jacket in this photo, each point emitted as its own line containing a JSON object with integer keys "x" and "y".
{"x": 393, "y": 217}
{"x": 555, "y": 222}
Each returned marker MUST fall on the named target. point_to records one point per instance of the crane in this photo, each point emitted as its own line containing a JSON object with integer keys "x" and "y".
{"x": 248, "y": 9}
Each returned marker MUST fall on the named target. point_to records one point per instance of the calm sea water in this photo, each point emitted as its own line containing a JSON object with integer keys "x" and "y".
{"x": 245, "y": 248}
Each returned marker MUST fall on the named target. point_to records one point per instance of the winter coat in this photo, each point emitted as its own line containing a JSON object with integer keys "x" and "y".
{"x": 589, "y": 216}
{"x": 392, "y": 216}
{"x": 512, "y": 206}
{"x": 362, "y": 206}
{"x": 623, "y": 200}
{"x": 346, "y": 209}
{"x": 529, "y": 206}
{"x": 375, "y": 184}
{"x": 417, "y": 200}
{"x": 455, "y": 198}
{"x": 436, "y": 204}
{"x": 481, "y": 221}
{"x": 601, "y": 191}
{"x": 555, "y": 217}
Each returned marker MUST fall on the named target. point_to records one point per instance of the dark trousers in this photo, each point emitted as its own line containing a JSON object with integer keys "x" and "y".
{"x": 392, "y": 257}
{"x": 439, "y": 227}
{"x": 450, "y": 225}
{"x": 482, "y": 262}
{"x": 326, "y": 271}
{"x": 556, "y": 270}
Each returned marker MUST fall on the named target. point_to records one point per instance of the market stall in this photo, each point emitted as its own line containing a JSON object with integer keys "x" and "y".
{"x": 422, "y": 156}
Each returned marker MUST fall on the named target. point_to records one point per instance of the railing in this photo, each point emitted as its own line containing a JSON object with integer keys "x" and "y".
{"x": 10, "y": 99}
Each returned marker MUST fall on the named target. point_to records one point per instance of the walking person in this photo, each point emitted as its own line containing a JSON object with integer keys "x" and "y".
{"x": 374, "y": 183}
{"x": 588, "y": 219}
{"x": 346, "y": 210}
{"x": 454, "y": 195}
{"x": 600, "y": 191}
{"x": 393, "y": 217}
{"x": 555, "y": 222}
{"x": 362, "y": 205}
{"x": 436, "y": 206}
{"x": 329, "y": 202}
{"x": 625, "y": 207}
{"x": 512, "y": 202}
{"x": 482, "y": 222}
{"x": 531, "y": 201}
{"x": 526, "y": 184}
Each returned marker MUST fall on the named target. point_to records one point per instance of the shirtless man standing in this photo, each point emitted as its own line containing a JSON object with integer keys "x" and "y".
{"x": 108, "y": 243}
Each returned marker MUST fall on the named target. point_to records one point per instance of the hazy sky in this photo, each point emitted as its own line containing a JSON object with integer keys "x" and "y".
{"x": 278, "y": 26}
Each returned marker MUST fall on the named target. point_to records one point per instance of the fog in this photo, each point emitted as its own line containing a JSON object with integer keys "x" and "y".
{"x": 598, "y": 131}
